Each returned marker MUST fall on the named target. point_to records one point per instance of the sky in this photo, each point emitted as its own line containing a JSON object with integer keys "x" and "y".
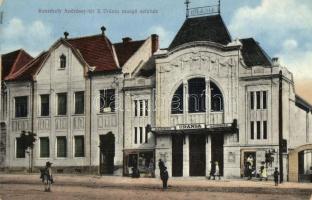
{"x": 282, "y": 27}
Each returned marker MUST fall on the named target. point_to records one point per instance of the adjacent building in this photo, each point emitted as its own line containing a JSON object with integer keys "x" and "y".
{"x": 103, "y": 107}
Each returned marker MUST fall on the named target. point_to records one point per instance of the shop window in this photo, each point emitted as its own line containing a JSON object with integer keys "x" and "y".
{"x": 45, "y": 105}
{"x": 177, "y": 101}
{"x": 21, "y": 106}
{"x": 44, "y": 147}
{"x": 107, "y": 100}
{"x": 79, "y": 102}
{"x": 20, "y": 150}
{"x": 79, "y": 146}
{"x": 61, "y": 147}
{"x": 62, "y": 103}
{"x": 197, "y": 97}
{"x": 216, "y": 98}
{"x": 145, "y": 159}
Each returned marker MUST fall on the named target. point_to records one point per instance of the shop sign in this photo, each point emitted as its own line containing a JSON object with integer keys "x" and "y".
{"x": 190, "y": 126}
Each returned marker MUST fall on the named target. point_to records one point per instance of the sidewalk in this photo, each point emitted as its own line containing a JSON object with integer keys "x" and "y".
{"x": 175, "y": 184}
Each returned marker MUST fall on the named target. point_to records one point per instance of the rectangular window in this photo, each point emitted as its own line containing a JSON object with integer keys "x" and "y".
{"x": 79, "y": 146}
{"x": 146, "y": 135}
{"x": 45, "y": 105}
{"x": 252, "y": 101}
{"x": 61, "y": 103}
{"x": 107, "y": 100}
{"x": 44, "y": 147}
{"x": 258, "y": 130}
{"x": 79, "y": 102}
{"x": 265, "y": 130}
{"x": 135, "y": 108}
{"x": 258, "y": 100}
{"x": 20, "y": 151}
{"x": 61, "y": 147}
{"x": 135, "y": 135}
{"x": 141, "y": 107}
{"x": 141, "y": 135}
{"x": 264, "y": 102}
{"x": 252, "y": 130}
{"x": 146, "y": 107}
{"x": 21, "y": 106}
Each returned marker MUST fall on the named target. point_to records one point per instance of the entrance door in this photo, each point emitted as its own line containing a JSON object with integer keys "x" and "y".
{"x": 107, "y": 153}
{"x": 197, "y": 160}
{"x": 217, "y": 141}
{"x": 177, "y": 155}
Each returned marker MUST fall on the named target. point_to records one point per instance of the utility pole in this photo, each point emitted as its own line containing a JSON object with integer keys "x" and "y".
{"x": 280, "y": 125}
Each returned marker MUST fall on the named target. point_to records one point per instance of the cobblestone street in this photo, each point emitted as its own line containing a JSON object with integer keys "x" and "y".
{"x": 95, "y": 187}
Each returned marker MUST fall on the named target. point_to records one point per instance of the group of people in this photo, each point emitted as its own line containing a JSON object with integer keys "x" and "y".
{"x": 214, "y": 170}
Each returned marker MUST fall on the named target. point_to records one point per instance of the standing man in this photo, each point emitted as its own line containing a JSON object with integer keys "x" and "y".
{"x": 212, "y": 171}
{"x": 163, "y": 173}
{"x": 276, "y": 174}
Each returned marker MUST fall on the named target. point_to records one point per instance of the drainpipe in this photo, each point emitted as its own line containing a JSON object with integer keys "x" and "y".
{"x": 123, "y": 124}
{"x": 32, "y": 121}
{"x": 90, "y": 121}
{"x": 280, "y": 125}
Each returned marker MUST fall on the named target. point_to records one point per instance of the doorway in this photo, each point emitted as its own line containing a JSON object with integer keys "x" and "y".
{"x": 197, "y": 161}
{"x": 107, "y": 153}
{"x": 217, "y": 141}
{"x": 177, "y": 155}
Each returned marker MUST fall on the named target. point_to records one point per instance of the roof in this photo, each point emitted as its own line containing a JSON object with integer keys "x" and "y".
{"x": 97, "y": 51}
{"x": 207, "y": 28}
{"x": 14, "y": 61}
{"x": 29, "y": 70}
{"x": 125, "y": 50}
{"x": 303, "y": 104}
{"x": 253, "y": 54}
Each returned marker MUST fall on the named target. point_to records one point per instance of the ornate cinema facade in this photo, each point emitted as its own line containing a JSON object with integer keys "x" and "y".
{"x": 105, "y": 108}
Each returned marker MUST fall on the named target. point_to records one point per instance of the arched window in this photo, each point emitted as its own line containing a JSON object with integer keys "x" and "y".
{"x": 62, "y": 61}
{"x": 197, "y": 95}
{"x": 177, "y": 101}
{"x": 216, "y": 98}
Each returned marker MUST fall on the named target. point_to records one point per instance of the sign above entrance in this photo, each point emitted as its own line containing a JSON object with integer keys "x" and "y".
{"x": 190, "y": 126}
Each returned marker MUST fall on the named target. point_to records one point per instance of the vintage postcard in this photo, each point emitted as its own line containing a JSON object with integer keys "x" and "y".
{"x": 153, "y": 99}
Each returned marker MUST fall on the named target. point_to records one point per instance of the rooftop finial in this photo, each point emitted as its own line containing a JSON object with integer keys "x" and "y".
{"x": 66, "y": 34}
{"x": 103, "y": 29}
{"x": 187, "y": 3}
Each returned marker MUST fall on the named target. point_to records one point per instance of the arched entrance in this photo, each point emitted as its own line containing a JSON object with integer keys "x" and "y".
{"x": 107, "y": 153}
{"x": 299, "y": 162}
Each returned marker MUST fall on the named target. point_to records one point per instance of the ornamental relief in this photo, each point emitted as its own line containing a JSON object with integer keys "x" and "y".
{"x": 199, "y": 61}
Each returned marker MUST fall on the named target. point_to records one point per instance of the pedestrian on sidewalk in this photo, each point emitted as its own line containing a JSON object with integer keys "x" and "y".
{"x": 163, "y": 173}
{"x": 47, "y": 177}
{"x": 276, "y": 174}
{"x": 217, "y": 172}
{"x": 212, "y": 171}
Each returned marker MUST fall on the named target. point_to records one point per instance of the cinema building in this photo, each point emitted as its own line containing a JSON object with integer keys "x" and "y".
{"x": 102, "y": 107}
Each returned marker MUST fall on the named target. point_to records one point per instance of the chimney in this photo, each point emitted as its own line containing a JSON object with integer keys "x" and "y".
{"x": 275, "y": 61}
{"x": 66, "y": 34}
{"x": 155, "y": 43}
{"x": 126, "y": 40}
{"x": 103, "y": 29}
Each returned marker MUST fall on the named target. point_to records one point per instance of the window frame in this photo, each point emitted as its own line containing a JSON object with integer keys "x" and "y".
{"x": 57, "y": 147}
{"x": 41, "y": 139}
{"x": 75, "y": 146}
{"x": 108, "y": 102}
{"x": 21, "y": 112}
{"x": 58, "y": 103}
{"x": 18, "y": 154}
{"x": 76, "y": 109}
{"x": 41, "y": 105}
{"x": 252, "y": 130}
{"x": 63, "y": 62}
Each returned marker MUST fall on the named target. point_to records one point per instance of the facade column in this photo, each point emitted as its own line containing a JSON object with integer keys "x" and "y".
{"x": 208, "y": 154}
{"x": 207, "y": 100}
{"x": 185, "y": 100}
{"x": 186, "y": 157}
